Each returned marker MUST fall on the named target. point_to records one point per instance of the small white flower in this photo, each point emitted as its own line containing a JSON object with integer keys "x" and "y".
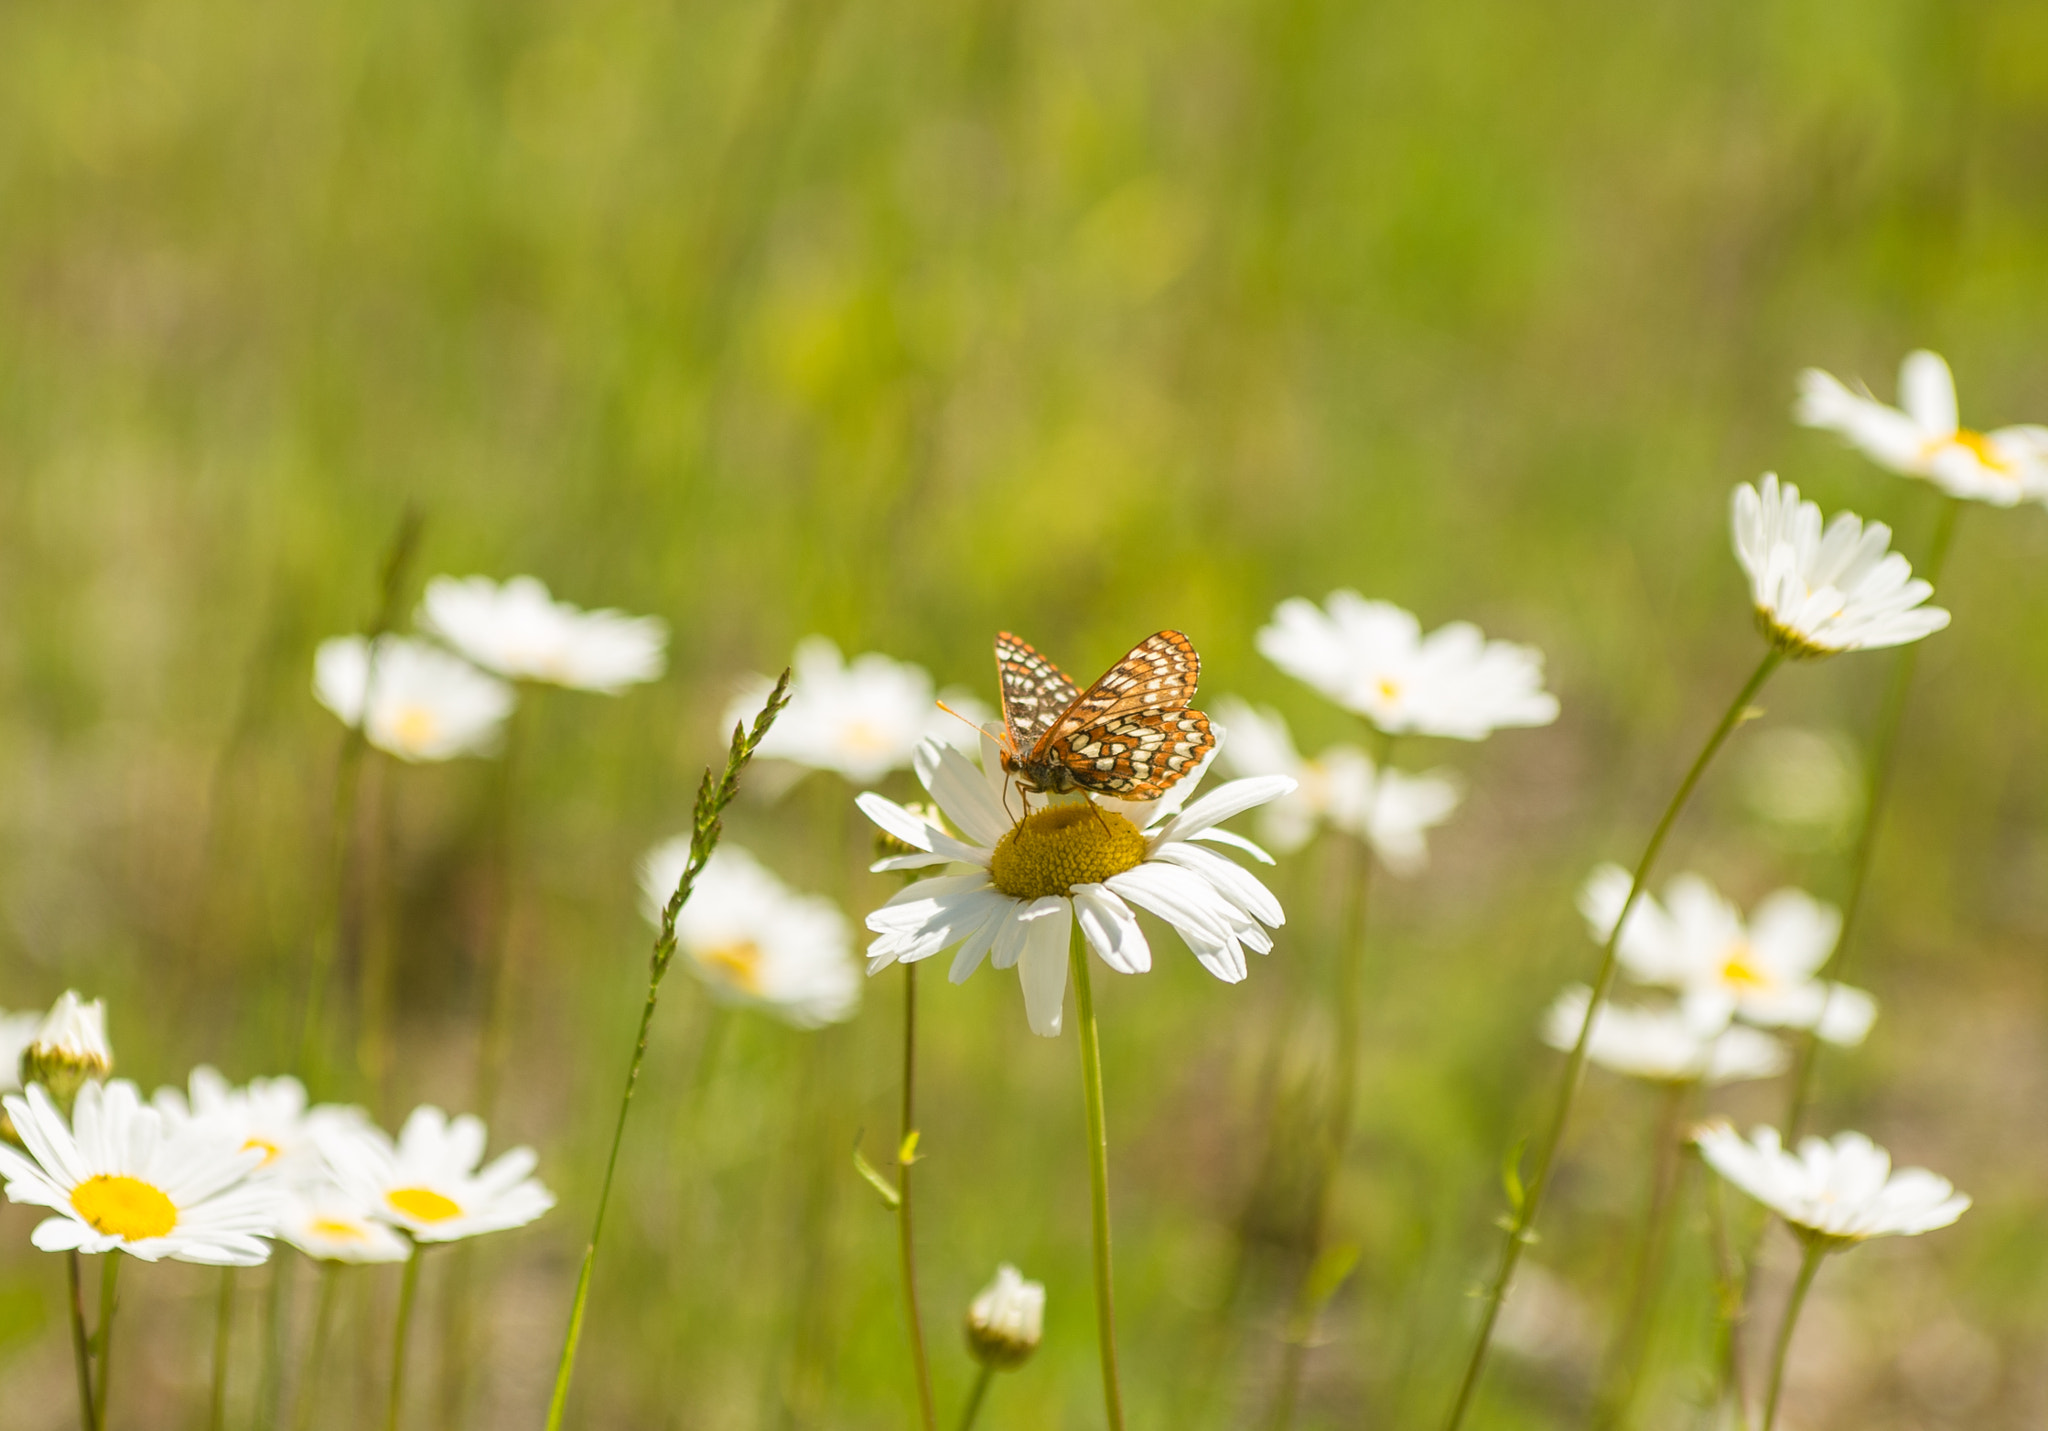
{"x": 1843, "y": 1189}
{"x": 118, "y": 1178}
{"x": 1923, "y": 437}
{"x": 17, "y": 1032}
{"x": 1028, "y": 879}
{"x": 753, "y": 940}
{"x": 1372, "y": 658}
{"x": 328, "y": 1225}
{"x": 428, "y": 1183}
{"x": 1006, "y": 1322}
{"x": 1663, "y": 1045}
{"x": 1818, "y": 592}
{"x": 70, "y": 1048}
{"x": 267, "y": 1114}
{"x": 1760, "y": 970}
{"x": 424, "y": 704}
{"x": 520, "y": 632}
{"x": 1388, "y": 808}
{"x": 861, "y": 718}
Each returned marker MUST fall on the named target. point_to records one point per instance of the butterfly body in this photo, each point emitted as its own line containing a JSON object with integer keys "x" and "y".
{"x": 1130, "y": 735}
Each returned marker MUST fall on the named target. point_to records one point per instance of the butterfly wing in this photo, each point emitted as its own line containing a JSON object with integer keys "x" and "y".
{"x": 1131, "y": 734}
{"x": 1036, "y": 693}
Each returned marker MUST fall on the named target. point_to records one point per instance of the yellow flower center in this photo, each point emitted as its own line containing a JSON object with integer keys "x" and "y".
{"x": 1389, "y": 688}
{"x": 864, "y": 737}
{"x": 739, "y": 964}
{"x": 414, "y": 727}
{"x": 423, "y": 1204}
{"x": 270, "y": 1150}
{"x": 1054, "y": 849}
{"x": 1740, "y": 969}
{"x": 124, "y": 1207}
{"x": 338, "y": 1230}
{"x": 1984, "y": 450}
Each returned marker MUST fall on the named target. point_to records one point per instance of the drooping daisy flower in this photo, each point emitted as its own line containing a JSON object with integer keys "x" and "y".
{"x": 520, "y": 632}
{"x": 267, "y": 1114}
{"x": 1006, "y": 1321}
{"x": 1821, "y": 591}
{"x": 428, "y": 1182}
{"x": 753, "y": 940}
{"x": 424, "y": 704}
{"x": 328, "y": 1225}
{"x": 861, "y": 718}
{"x": 1343, "y": 788}
{"x": 119, "y": 1179}
{"x": 1090, "y": 860}
{"x": 1662, "y": 1045}
{"x": 1760, "y": 970}
{"x": 1372, "y": 658}
{"x": 1842, "y": 1189}
{"x": 1923, "y": 437}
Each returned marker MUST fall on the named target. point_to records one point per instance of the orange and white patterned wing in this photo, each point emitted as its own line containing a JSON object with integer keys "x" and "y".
{"x": 1036, "y": 693}
{"x": 1131, "y": 734}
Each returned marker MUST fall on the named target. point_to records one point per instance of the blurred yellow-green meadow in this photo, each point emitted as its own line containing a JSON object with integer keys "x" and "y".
{"x": 903, "y": 324}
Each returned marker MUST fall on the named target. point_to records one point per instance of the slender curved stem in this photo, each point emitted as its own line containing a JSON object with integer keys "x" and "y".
{"x": 110, "y": 1275}
{"x": 81, "y": 1349}
{"x": 1816, "y": 1249}
{"x": 316, "y": 1355}
{"x": 408, "y": 1291}
{"x": 975, "y": 1397}
{"x": 1568, "y": 1084}
{"x": 223, "y": 1327}
{"x": 905, "y": 1229}
{"x": 1098, "y": 1176}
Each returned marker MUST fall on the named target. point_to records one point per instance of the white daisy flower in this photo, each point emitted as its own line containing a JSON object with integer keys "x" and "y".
{"x": 118, "y": 1178}
{"x": 753, "y": 940}
{"x": 1387, "y": 808}
{"x": 1923, "y": 437}
{"x": 428, "y": 1184}
{"x": 520, "y": 632}
{"x": 861, "y": 718}
{"x": 1006, "y": 1321}
{"x": 424, "y": 704}
{"x": 1663, "y": 1045}
{"x": 1842, "y": 1189}
{"x": 1372, "y": 658}
{"x": 1028, "y": 879}
{"x": 328, "y": 1225}
{"x": 17, "y": 1032}
{"x": 1760, "y": 970}
{"x": 1819, "y": 591}
{"x": 267, "y": 1114}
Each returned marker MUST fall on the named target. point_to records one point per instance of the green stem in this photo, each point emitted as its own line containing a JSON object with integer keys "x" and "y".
{"x": 110, "y": 1274}
{"x": 905, "y": 1232}
{"x": 1816, "y": 1249}
{"x": 1632, "y": 1347}
{"x": 223, "y": 1325}
{"x": 975, "y": 1397}
{"x": 1098, "y": 1176}
{"x": 316, "y": 1355}
{"x": 81, "y": 1349}
{"x": 1730, "y": 1279}
{"x": 277, "y": 1308}
{"x": 408, "y": 1290}
{"x": 1568, "y": 1084}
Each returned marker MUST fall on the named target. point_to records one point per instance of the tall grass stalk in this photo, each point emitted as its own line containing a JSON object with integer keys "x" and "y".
{"x": 1528, "y": 1200}
{"x": 906, "y": 1237}
{"x": 713, "y": 795}
{"x": 1098, "y": 1176}
{"x": 408, "y": 1293}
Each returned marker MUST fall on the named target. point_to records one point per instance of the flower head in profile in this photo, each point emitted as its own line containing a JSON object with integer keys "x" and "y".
{"x": 1924, "y": 437}
{"x": 1661, "y": 1045}
{"x": 753, "y": 940}
{"x": 269, "y": 1115}
{"x": 119, "y": 1179}
{"x": 428, "y": 1182}
{"x": 1819, "y": 591}
{"x": 1343, "y": 788}
{"x": 410, "y": 699}
{"x": 328, "y": 1225}
{"x": 1761, "y": 969}
{"x": 69, "y": 1048}
{"x": 1842, "y": 1189}
{"x": 1007, "y": 1320}
{"x": 1089, "y": 859}
{"x": 1372, "y": 658}
{"x": 520, "y": 632}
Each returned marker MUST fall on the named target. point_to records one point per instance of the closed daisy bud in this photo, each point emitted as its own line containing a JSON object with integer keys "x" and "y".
{"x": 1006, "y": 1322}
{"x": 70, "y": 1049}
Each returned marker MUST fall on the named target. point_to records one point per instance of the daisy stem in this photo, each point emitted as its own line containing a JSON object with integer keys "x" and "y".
{"x": 1531, "y": 1197}
{"x": 223, "y": 1325}
{"x": 110, "y": 1274}
{"x": 974, "y": 1397}
{"x": 81, "y": 1351}
{"x": 1098, "y": 1176}
{"x": 1816, "y": 1249}
{"x": 906, "y": 1154}
{"x": 1730, "y": 1278}
{"x": 408, "y": 1291}
{"x": 1631, "y": 1349}
{"x": 316, "y": 1355}
{"x": 276, "y": 1306}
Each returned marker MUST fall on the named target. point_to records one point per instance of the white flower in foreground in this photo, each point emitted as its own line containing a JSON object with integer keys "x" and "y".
{"x": 1091, "y": 860}
{"x": 1372, "y": 658}
{"x": 522, "y": 633}
{"x": 267, "y": 1114}
{"x": 1760, "y": 970}
{"x": 1923, "y": 437}
{"x": 17, "y": 1032}
{"x": 428, "y": 1183}
{"x": 119, "y": 1179}
{"x": 328, "y": 1225}
{"x": 424, "y": 704}
{"x": 1007, "y": 1320}
{"x": 1841, "y": 1188}
{"x": 1388, "y": 808}
{"x": 861, "y": 718}
{"x": 753, "y": 940}
{"x": 69, "y": 1048}
{"x": 1821, "y": 591}
{"x": 1662, "y": 1045}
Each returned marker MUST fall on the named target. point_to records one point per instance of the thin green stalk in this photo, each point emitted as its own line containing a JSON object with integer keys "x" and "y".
{"x": 223, "y": 1325}
{"x": 1730, "y": 1281}
{"x": 1531, "y": 1198}
{"x": 906, "y": 1154}
{"x": 408, "y": 1290}
{"x": 277, "y": 1303}
{"x": 713, "y": 795}
{"x": 81, "y": 1350}
{"x": 1816, "y": 1249}
{"x": 1632, "y": 1346}
{"x": 975, "y": 1397}
{"x": 316, "y": 1355}
{"x": 1098, "y": 1176}
{"x": 110, "y": 1275}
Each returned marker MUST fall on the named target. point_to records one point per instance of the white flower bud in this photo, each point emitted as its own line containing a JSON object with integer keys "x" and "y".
{"x": 1005, "y": 1323}
{"x": 70, "y": 1049}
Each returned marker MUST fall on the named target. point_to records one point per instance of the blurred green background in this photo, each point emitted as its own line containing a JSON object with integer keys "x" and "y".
{"x": 906, "y": 321}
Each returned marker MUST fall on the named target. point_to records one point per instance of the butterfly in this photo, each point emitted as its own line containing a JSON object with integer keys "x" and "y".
{"x": 1130, "y": 735}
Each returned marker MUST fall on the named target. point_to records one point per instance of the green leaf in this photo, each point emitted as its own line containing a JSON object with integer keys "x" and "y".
{"x": 907, "y": 1154}
{"x": 1511, "y": 1175}
{"x": 890, "y": 1197}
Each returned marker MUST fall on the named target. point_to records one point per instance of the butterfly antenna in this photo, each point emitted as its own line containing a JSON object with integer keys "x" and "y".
{"x": 957, "y": 716}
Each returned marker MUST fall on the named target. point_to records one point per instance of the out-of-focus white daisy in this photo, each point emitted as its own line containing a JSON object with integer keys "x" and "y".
{"x": 1343, "y": 788}
{"x": 1843, "y": 1189}
{"x": 1007, "y": 1320}
{"x": 17, "y": 1032}
{"x": 328, "y": 1225}
{"x": 428, "y": 1182}
{"x": 119, "y": 1179}
{"x": 861, "y": 718}
{"x": 753, "y": 940}
{"x": 424, "y": 704}
{"x": 1371, "y": 657}
{"x": 1091, "y": 860}
{"x": 1819, "y": 591}
{"x": 1760, "y": 970}
{"x": 1664, "y": 1045}
{"x": 524, "y": 634}
{"x": 267, "y": 1114}
{"x": 1923, "y": 437}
